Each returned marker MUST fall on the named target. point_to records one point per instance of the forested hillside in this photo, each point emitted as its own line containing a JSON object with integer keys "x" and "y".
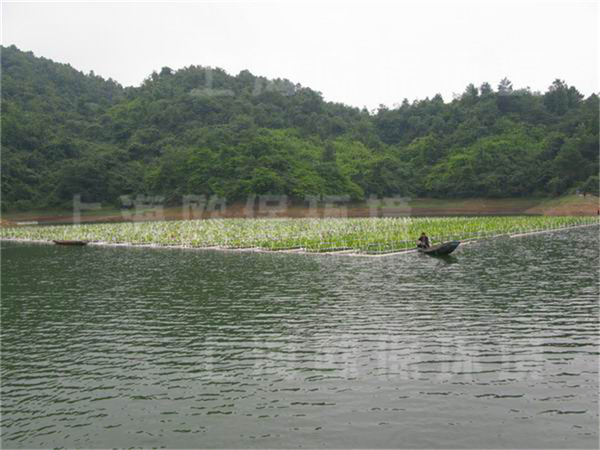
{"x": 202, "y": 131}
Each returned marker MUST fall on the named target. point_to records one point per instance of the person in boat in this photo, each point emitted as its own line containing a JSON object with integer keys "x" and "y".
{"x": 424, "y": 241}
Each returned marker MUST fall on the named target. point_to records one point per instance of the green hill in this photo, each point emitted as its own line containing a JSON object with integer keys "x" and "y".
{"x": 202, "y": 131}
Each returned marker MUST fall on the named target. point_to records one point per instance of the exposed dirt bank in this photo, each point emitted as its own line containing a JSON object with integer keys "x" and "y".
{"x": 569, "y": 205}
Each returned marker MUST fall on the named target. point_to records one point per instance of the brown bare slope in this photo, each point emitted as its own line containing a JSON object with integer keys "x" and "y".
{"x": 568, "y": 205}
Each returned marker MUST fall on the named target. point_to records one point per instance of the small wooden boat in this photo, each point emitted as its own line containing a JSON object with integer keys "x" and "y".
{"x": 439, "y": 250}
{"x": 58, "y": 242}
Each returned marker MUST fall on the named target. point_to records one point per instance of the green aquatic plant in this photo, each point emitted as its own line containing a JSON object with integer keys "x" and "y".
{"x": 357, "y": 235}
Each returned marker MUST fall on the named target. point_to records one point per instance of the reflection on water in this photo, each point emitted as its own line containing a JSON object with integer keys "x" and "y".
{"x": 495, "y": 346}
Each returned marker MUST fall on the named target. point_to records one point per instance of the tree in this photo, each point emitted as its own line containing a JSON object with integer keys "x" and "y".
{"x": 485, "y": 89}
{"x": 470, "y": 95}
{"x": 560, "y": 97}
{"x": 203, "y": 131}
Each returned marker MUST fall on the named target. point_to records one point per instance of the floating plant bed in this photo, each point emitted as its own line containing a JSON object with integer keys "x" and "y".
{"x": 328, "y": 235}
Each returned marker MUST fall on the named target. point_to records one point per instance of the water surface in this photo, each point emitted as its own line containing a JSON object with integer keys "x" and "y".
{"x": 496, "y": 347}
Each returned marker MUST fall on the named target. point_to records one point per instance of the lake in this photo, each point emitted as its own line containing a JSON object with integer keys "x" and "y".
{"x": 496, "y": 347}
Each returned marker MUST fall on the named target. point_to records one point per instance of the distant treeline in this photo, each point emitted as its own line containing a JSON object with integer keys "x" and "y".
{"x": 201, "y": 131}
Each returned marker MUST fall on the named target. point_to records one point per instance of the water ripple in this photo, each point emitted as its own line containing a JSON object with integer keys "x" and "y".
{"x": 119, "y": 347}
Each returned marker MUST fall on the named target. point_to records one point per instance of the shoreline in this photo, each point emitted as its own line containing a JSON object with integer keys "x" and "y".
{"x": 418, "y": 207}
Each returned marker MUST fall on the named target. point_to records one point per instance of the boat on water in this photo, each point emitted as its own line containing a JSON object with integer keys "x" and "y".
{"x": 70, "y": 242}
{"x": 439, "y": 250}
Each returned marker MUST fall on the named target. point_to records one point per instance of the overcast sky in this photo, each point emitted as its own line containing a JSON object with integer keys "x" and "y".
{"x": 362, "y": 54}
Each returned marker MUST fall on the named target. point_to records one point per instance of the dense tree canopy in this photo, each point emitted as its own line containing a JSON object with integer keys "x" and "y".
{"x": 200, "y": 130}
